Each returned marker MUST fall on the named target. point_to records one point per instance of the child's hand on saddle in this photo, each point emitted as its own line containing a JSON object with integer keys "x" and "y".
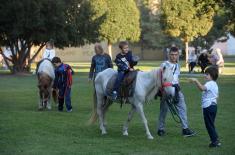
{"x": 131, "y": 69}
{"x": 192, "y": 80}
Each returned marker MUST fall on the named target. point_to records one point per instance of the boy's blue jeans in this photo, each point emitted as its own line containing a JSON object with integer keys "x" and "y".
{"x": 119, "y": 80}
{"x": 67, "y": 98}
{"x": 209, "y": 115}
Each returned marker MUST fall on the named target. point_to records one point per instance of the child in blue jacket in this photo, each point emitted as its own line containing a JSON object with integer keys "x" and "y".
{"x": 125, "y": 64}
{"x": 63, "y": 82}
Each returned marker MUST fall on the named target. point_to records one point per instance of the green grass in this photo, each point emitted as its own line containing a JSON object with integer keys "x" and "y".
{"x": 26, "y": 131}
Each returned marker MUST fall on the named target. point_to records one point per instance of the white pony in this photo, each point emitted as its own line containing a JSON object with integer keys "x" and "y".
{"x": 147, "y": 85}
{"x": 46, "y": 76}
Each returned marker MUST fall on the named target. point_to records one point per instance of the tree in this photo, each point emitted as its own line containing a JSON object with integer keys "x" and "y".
{"x": 187, "y": 19}
{"x": 29, "y": 23}
{"x": 152, "y": 35}
{"x": 218, "y": 32}
{"x": 120, "y": 20}
{"x": 229, "y": 6}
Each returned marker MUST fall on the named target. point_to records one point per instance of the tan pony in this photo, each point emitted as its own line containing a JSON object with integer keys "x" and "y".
{"x": 46, "y": 76}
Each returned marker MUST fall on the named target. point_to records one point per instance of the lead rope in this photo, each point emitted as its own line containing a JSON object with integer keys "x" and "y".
{"x": 172, "y": 107}
{"x": 170, "y": 102}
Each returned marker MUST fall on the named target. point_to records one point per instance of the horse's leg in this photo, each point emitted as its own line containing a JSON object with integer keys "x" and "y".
{"x": 139, "y": 108}
{"x": 49, "y": 98}
{"x": 100, "y": 101}
{"x": 107, "y": 102}
{"x": 130, "y": 116}
{"x": 40, "y": 104}
{"x": 49, "y": 103}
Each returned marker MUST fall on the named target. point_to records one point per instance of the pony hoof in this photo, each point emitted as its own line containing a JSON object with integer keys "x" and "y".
{"x": 104, "y": 133}
{"x": 150, "y": 137}
{"x": 125, "y": 133}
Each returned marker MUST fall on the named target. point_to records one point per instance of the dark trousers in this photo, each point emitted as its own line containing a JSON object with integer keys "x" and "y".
{"x": 209, "y": 114}
{"x": 191, "y": 66}
{"x": 118, "y": 81}
{"x": 67, "y": 98}
{"x": 203, "y": 66}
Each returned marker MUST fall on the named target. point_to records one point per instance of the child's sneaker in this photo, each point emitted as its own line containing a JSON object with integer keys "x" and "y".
{"x": 70, "y": 110}
{"x": 215, "y": 144}
{"x": 188, "y": 133}
{"x": 114, "y": 95}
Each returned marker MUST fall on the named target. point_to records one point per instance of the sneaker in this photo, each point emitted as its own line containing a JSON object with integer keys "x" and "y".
{"x": 114, "y": 95}
{"x": 161, "y": 132}
{"x": 70, "y": 110}
{"x": 188, "y": 133}
{"x": 215, "y": 144}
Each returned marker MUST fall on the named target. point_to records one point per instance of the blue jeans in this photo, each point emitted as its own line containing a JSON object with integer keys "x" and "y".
{"x": 67, "y": 98}
{"x": 118, "y": 81}
{"x": 209, "y": 115}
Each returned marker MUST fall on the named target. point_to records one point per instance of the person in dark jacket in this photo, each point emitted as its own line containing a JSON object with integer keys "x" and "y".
{"x": 63, "y": 82}
{"x": 125, "y": 63}
{"x": 100, "y": 61}
{"x": 203, "y": 61}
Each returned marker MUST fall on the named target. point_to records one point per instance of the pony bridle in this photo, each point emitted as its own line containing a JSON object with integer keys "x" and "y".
{"x": 164, "y": 84}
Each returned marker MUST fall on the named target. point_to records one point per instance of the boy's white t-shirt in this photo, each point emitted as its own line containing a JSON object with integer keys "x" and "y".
{"x": 49, "y": 53}
{"x": 210, "y": 95}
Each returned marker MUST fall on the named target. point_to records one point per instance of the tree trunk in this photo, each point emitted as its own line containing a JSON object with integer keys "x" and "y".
{"x": 186, "y": 54}
{"x": 110, "y": 49}
{"x": 142, "y": 49}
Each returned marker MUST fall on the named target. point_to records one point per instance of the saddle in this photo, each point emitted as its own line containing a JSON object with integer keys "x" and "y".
{"x": 127, "y": 86}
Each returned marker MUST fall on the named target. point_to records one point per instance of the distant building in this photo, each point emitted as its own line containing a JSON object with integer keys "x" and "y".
{"x": 227, "y": 47}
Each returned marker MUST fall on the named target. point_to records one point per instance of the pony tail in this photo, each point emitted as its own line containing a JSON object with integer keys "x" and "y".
{"x": 94, "y": 114}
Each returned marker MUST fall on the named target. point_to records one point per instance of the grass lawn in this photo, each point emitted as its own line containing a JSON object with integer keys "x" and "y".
{"x": 26, "y": 131}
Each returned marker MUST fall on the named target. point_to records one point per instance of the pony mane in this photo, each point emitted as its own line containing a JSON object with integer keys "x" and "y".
{"x": 155, "y": 75}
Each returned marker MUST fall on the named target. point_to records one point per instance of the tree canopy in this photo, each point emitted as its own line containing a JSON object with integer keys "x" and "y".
{"x": 28, "y": 23}
{"x": 152, "y": 35}
{"x": 187, "y": 19}
{"x": 120, "y": 19}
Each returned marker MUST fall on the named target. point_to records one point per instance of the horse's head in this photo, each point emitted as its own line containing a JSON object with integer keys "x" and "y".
{"x": 166, "y": 81}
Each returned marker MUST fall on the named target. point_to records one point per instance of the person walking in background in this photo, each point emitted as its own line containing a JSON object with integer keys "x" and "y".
{"x": 209, "y": 99}
{"x": 203, "y": 60}
{"x": 192, "y": 61}
{"x": 100, "y": 61}
{"x": 216, "y": 59}
{"x": 220, "y": 60}
{"x": 63, "y": 83}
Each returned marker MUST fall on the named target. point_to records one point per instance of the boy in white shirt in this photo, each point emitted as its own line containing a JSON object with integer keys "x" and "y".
{"x": 210, "y": 94}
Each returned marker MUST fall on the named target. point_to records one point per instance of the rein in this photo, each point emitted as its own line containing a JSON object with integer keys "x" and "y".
{"x": 164, "y": 84}
{"x": 169, "y": 100}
